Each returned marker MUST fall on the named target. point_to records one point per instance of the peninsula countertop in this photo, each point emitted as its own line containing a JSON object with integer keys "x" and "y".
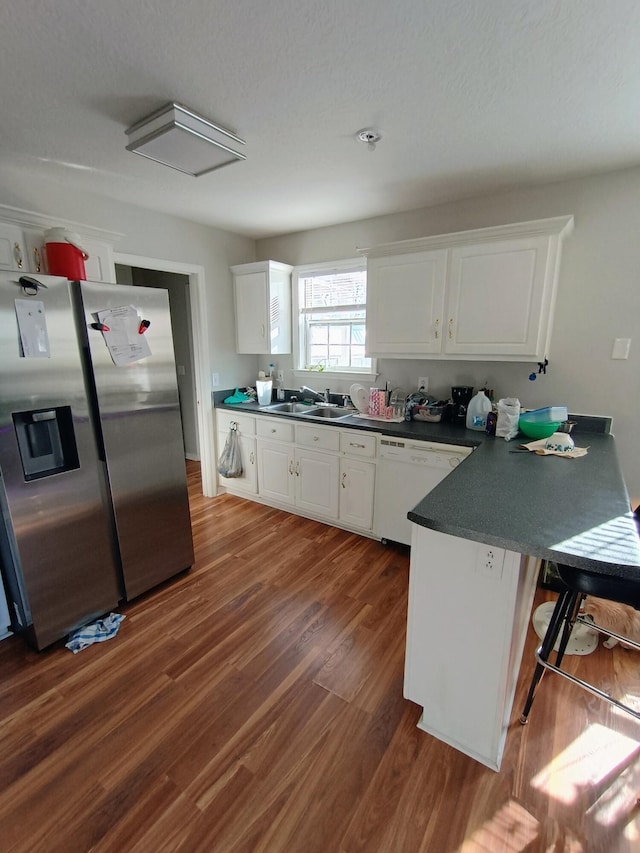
{"x": 572, "y": 511}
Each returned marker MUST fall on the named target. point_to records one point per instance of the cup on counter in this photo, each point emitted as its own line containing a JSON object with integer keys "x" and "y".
{"x": 264, "y": 388}
{"x": 377, "y": 402}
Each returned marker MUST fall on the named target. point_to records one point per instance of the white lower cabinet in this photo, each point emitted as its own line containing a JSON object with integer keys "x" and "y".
{"x": 316, "y": 482}
{"x": 275, "y": 471}
{"x": 245, "y": 427}
{"x": 248, "y": 481}
{"x": 321, "y": 471}
{"x": 300, "y": 477}
{"x": 357, "y": 489}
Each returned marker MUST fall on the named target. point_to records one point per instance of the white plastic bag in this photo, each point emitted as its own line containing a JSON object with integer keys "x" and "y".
{"x": 508, "y": 417}
{"x": 230, "y": 462}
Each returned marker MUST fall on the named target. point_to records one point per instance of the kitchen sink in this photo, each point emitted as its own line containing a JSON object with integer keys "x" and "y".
{"x": 307, "y": 411}
{"x": 331, "y": 412}
{"x": 290, "y": 408}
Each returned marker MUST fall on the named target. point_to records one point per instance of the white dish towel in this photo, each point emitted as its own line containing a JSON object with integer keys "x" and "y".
{"x": 96, "y": 632}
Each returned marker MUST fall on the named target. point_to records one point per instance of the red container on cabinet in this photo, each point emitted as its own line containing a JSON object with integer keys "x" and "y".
{"x": 64, "y": 255}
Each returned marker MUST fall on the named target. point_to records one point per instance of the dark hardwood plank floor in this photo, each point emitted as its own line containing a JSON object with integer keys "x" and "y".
{"x": 255, "y": 703}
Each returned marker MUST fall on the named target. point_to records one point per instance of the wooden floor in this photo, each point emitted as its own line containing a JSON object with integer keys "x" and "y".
{"x": 255, "y": 704}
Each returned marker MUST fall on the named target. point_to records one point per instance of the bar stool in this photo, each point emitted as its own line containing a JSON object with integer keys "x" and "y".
{"x": 578, "y": 583}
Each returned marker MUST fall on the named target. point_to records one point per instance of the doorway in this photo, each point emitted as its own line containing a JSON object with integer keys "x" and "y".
{"x": 190, "y": 278}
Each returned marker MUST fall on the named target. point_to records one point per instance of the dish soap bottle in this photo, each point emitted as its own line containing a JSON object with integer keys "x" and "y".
{"x": 477, "y": 411}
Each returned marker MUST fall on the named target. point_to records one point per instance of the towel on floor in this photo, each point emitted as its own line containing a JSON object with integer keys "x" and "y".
{"x": 96, "y": 632}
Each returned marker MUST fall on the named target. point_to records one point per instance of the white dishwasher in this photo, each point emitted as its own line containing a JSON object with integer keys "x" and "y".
{"x": 407, "y": 471}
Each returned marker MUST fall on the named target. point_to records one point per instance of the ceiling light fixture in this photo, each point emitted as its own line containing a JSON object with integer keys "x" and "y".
{"x": 177, "y": 137}
{"x": 370, "y": 137}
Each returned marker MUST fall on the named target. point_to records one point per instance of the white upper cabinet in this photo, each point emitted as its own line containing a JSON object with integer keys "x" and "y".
{"x": 34, "y": 250}
{"x": 262, "y": 295}
{"x": 405, "y": 303}
{"x": 487, "y": 294}
{"x": 13, "y": 253}
{"x": 22, "y": 246}
{"x": 99, "y": 266}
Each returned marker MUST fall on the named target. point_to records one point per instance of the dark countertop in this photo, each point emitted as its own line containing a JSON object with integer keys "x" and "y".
{"x": 572, "y": 511}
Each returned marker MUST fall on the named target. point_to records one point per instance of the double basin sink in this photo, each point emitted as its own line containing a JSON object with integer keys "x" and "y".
{"x": 314, "y": 411}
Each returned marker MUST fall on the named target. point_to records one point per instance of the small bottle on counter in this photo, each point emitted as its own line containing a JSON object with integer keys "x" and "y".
{"x": 492, "y": 419}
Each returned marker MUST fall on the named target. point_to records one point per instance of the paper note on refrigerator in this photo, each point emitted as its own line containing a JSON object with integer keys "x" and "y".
{"x": 123, "y": 338}
{"x": 32, "y": 324}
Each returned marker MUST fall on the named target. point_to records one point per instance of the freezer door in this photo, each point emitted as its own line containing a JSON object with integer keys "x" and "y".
{"x": 56, "y": 527}
{"x": 142, "y": 434}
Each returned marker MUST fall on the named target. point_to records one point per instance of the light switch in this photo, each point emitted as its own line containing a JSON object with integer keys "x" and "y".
{"x": 180, "y": 369}
{"x": 215, "y": 379}
{"x": 621, "y": 347}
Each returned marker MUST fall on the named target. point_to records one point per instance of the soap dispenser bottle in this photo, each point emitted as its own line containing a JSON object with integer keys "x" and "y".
{"x": 477, "y": 411}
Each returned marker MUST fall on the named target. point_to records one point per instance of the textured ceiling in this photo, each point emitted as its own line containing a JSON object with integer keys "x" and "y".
{"x": 471, "y": 96}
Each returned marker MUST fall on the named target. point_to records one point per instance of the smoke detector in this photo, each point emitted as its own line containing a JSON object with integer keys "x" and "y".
{"x": 370, "y": 137}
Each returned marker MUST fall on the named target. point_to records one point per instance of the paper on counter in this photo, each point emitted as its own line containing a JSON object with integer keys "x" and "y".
{"x": 123, "y": 340}
{"x": 538, "y": 447}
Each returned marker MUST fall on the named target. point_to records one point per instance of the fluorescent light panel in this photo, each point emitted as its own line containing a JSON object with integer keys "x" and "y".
{"x": 183, "y": 140}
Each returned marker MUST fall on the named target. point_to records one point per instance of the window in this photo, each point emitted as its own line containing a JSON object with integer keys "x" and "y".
{"x": 331, "y": 314}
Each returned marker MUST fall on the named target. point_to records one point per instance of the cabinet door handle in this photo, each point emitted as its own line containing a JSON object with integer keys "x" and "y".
{"x": 273, "y": 429}
{"x": 450, "y": 327}
{"x": 316, "y": 438}
{"x": 251, "y": 458}
{"x": 354, "y": 444}
{"x": 262, "y": 330}
{"x": 37, "y": 264}
{"x": 436, "y": 325}
{"x": 291, "y": 467}
{"x": 343, "y": 479}
{"x": 17, "y": 254}
{"x": 298, "y": 469}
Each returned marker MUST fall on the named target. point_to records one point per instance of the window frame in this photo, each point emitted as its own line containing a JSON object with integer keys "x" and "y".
{"x": 323, "y": 267}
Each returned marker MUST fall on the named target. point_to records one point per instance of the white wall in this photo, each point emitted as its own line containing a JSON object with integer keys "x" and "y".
{"x": 598, "y": 297}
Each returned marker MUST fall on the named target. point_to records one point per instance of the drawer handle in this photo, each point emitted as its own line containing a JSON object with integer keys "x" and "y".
{"x": 273, "y": 429}
{"x": 343, "y": 478}
{"x": 316, "y": 438}
{"x": 355, "y": 444}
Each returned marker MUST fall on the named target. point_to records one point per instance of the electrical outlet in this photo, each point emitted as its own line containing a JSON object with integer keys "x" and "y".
{"x": 215, "y": 379}
{"x": 423, "y": 382}
{"x": 489, "y": 562}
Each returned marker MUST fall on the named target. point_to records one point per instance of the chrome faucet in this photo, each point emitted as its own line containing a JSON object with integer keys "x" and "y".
{"x": 316, "y": 395}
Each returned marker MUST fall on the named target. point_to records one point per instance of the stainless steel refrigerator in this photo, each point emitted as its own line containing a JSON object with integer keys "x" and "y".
{"x": 93, "y": 488}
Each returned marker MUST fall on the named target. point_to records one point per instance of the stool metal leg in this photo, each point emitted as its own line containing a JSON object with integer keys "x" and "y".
{"x": 566, "y": 600}
{"x": 570, "y": 621}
